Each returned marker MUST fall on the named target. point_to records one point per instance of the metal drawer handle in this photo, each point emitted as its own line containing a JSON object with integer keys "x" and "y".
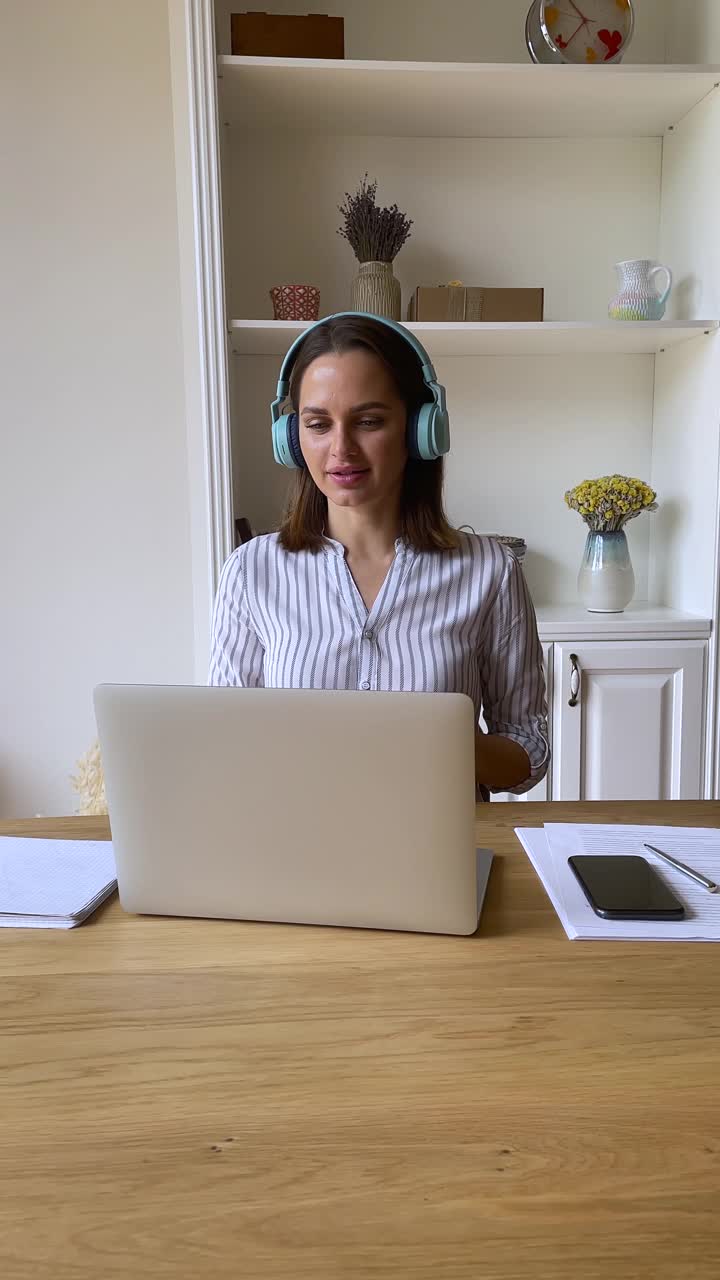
{"x": 574, "y": 680}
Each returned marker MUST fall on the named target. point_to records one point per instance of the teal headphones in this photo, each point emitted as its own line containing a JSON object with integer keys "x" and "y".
{"x": 428, "y": 429}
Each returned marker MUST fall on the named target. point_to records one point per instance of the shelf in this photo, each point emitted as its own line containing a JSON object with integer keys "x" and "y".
{"x": 457, "y": 99}
{"x": 550, "y": 337}
{"x": 649, "y": 621}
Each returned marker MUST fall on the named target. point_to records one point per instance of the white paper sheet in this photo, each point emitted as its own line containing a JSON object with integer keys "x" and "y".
{"x": 53, "y": 884}
{"x": 550, "y": 847}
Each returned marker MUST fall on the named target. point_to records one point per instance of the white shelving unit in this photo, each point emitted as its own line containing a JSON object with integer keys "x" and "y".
{"x": 273, "y": 337}
{"x": 458, "y": 99}
{"x": 515, "y": 175}
{"x": 643, "y": 621}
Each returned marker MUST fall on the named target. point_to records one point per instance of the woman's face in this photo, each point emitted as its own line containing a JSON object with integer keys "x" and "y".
{"x": 352, "y": 429}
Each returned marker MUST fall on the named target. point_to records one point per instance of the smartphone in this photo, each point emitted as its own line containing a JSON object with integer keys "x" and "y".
{"x": 625, "y": 887}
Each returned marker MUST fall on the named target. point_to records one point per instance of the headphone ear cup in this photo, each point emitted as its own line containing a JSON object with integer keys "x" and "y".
{"x": 286, "y": 442}
{"x": 432, "y": 432}
{"x": 294, "y": 438}
{"x": 441, "y": 432}
{"x": 425, "y": 433}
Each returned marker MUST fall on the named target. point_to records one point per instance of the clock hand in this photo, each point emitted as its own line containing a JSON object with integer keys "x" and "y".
{"x": 572, "y": 37}
{"x": 579, "y": 14}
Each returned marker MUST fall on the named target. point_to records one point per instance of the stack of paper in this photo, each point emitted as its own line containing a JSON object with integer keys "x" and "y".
{"x": 53, "y": 884}
{"x": 549, "y": 848}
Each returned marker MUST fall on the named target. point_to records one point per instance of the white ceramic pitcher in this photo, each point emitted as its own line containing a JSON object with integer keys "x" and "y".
{"x": 639, "y": 297}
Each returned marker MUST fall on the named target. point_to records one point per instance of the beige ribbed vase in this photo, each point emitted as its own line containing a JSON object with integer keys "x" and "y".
{"x": 375, "y": 289}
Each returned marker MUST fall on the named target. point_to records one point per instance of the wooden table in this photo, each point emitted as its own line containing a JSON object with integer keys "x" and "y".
{"x": 211, "y": 1099}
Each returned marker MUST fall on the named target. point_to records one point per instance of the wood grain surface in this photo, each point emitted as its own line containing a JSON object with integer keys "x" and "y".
{"x": 194, "y": 1098}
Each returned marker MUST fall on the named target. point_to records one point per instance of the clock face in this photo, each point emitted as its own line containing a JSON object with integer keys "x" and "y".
{"x": 589, "y": 31}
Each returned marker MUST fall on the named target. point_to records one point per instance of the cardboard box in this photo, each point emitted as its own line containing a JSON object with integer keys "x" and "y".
{"x": 279, "y": 35}
{"x": 463, "y": 302}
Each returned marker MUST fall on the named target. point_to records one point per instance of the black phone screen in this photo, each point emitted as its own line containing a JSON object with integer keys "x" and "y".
{"x": 625, "y": 887}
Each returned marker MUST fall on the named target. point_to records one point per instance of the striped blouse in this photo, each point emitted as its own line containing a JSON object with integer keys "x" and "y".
{"x": 454, "y": 621}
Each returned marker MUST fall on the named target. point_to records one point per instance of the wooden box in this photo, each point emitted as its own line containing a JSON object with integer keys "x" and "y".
{"x": 457, "y": 302}
{"x": 279, "y": 35}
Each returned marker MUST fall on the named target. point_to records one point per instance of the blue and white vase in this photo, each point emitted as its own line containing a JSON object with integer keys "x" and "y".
{"x": 606, "y": 582}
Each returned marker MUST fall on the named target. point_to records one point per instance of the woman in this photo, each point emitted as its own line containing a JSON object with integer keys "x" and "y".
{"x": 366, "y": 585}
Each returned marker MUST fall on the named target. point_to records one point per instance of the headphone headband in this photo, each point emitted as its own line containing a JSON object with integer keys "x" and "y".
{"x": 428, "y": 371}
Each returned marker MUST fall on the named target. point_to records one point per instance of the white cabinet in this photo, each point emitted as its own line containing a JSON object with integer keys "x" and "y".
{"x": 628, "y": 720}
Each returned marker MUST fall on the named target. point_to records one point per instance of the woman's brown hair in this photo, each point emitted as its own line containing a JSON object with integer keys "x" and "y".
{"x": 423, "y": 523}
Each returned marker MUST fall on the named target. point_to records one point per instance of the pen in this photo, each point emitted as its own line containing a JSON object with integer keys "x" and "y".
{"x": 688, "y": 871}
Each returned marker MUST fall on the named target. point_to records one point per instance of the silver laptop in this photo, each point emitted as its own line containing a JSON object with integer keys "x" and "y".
{"x": 301, "y": 806}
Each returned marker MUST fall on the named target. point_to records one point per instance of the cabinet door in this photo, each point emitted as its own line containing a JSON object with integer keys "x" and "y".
{"x": 628, "y": 720}
{"x": 542, "y": 790}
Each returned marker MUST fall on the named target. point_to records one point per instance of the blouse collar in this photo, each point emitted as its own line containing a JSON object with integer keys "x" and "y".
{"x": 337, "y": 549}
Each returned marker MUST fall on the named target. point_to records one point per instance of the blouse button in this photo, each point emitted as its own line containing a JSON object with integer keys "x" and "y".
{"x": 365, "y": 684}
{"x": 368, "y": 635}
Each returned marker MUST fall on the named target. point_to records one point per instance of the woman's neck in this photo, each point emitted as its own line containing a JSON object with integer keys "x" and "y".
{"x": 365, "y": 534}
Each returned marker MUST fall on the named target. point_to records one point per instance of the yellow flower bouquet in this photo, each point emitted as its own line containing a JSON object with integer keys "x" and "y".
{"x": 606, "y": 504}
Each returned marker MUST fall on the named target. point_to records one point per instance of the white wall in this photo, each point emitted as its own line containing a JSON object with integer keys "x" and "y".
{"x": 515, "y": 212}
{"x": 515, "y": 454}
{"x": 96, "y": 580}
{"x": 448, "y": 30}
{"x": 687, "y": 384}
{"x": 689, "y": 239}
{"x": 693, "y": 31}
{"x": 685, "y": 475}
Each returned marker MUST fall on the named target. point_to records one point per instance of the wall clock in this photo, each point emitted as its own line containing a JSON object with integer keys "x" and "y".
{"x": 589, "y": 31}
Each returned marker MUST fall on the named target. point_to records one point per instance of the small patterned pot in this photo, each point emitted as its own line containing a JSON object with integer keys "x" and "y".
{"x": 295, "y": 302}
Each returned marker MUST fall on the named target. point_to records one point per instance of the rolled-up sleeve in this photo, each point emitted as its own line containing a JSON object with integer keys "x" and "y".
{"x": 512, "y": 674}
{"x": 237, "y": 651}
